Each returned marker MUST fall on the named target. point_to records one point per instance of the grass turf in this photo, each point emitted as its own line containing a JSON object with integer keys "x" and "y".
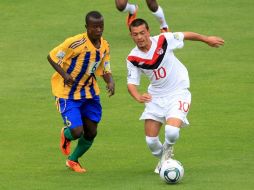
{"x": 216, "y": 151}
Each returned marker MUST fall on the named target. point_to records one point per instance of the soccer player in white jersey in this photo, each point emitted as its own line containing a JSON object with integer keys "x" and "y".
{"x": 168, "y": 98}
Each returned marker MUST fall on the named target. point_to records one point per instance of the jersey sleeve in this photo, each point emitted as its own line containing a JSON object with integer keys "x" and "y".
{"x": 104, "y": 66}
{"x": 62, "y": 52}
{"x": 134, "y": 74}
{"x": 175, "y": 40}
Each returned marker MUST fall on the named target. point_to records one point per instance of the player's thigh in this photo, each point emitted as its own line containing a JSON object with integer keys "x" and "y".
{"x": 178, "y": 110}
{"x": 175, "y": 122}
{"x": 91, "y": 109}
{"x": 152, "y": 127}
{"x": 70, "y": 111}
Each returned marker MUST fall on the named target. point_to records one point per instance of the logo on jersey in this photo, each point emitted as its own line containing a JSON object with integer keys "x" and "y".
{"x": 176, "y": 36}
{"x": 107, "y": 67}
{"x": 60, "y": 54}
{"x": 160, "y": 51}
{"x": 86, "y": 48}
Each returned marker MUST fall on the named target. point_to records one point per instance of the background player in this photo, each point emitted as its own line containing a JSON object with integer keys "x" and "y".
{"x": 125, "y": 6}
{"x": 168, "y": 98}
{"x": 77, "y": 61}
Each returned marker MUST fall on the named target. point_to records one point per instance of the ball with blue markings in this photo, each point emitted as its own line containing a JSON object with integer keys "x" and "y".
{"x": 171, "y": 171}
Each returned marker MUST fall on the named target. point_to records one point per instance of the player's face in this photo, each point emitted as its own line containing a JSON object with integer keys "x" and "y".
{"x": 95, "y": 28}
{"x": 141, "y": 37}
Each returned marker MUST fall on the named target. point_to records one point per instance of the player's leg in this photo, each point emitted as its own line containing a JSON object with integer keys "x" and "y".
{"x": 152, "y": 129}
{"x": 175, "y": 119}
{"x": 158, "y": 13}
{"x": 154, "y": 119}
{"x": 91, "y": 115}
{"x": 82, "y": 146}
{"x": 172, "y": 130}
{"x": 86, "y": 140}
{"x": 70, "y": 110}
{"x": 73, "y": 122}
{"x": 124, "y": 6}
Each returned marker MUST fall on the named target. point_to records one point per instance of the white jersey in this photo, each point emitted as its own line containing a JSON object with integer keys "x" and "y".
{"x": 165, "y": 72}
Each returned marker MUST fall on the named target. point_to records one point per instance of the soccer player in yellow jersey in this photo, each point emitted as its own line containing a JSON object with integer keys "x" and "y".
{"x": 77, "y": 61}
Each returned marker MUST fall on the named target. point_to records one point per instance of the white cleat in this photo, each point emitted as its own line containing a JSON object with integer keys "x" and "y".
{"x": 157, "y": 168}
{"x": 167, "y": 152}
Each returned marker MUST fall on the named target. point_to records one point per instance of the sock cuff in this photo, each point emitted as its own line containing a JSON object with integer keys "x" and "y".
{"x": 152, "y": 138}
{"x": 159, "y": 11}
{"x": 172, "y": 128}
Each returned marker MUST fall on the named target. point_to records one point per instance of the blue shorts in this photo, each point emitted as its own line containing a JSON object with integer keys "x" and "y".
{"x": 74, "y": 111}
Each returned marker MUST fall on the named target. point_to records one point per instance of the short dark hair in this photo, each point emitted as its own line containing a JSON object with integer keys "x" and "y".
{"x": 138, "y": 22}
{"x": 93, "y": 14}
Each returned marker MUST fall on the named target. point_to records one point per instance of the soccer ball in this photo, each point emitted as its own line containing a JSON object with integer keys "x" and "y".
{"x": 171, "y": 171}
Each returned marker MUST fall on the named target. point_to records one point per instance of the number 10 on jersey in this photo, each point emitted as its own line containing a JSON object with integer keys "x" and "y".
{"x": 160, "y": 73}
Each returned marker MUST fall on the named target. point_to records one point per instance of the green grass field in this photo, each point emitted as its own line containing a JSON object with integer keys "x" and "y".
{"x": 216, "y": 150}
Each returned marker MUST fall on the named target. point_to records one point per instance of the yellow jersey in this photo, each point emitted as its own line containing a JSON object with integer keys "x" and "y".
{"x": 79, "y": 58}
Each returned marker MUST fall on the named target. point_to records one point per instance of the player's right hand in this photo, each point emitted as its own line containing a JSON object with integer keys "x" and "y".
{"x": 144, "y": 98}
{"x": 68, "y": 80}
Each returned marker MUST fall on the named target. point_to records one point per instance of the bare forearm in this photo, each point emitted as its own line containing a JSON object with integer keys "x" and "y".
{"x": 141, "y": 98}
{"x": 56, "y": 66}
{"x": 132, "y": 89}
{"x": 194, "y": 36}
{"x": 68, "y": 80}
{"x": 110, "y": 83}
{"x": 108, "y": 77}
{"x": 212, "y": 41}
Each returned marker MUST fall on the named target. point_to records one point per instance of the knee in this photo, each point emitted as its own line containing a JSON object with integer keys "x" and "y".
{"x": 90, "y": 135}
{"x": 121, "y": 5}
{"x": 90, "y": 129}
{"x": 152, "y": 5}
{"x": 154, "y": 145}
{"x": 171, "y": 134}
{"x": 77, "y": 132}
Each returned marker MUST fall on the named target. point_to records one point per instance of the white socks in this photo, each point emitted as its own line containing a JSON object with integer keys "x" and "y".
{"x": 155, "y": 145}
{"x": 171, "y": 134}
{"x": 130, "y": 8}
{"x": 159, "y": 14}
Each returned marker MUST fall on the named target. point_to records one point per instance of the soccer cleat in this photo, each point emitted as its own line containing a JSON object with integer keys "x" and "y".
{"x": 65, "y": 144}
{"x": 75, "y": 166}
{"x": 167, "y": 152}
{"x": 131, "y": 17}
{"x": 158, "y": 168}
{"x": 165, "y": 29}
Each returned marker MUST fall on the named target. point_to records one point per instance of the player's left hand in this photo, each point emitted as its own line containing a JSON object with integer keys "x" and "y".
{"x": 110, "y": 88}
{"x": 214, "y": 41}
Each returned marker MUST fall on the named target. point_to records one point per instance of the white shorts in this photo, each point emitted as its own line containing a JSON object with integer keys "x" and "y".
{"x": 174, "y": 105}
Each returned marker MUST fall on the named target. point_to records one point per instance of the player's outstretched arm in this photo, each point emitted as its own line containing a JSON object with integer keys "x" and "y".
{"x": 212, "y": 41}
